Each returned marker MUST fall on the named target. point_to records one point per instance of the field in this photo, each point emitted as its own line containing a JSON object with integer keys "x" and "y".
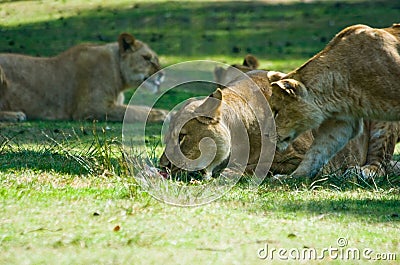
{"x": 67, "y": 195}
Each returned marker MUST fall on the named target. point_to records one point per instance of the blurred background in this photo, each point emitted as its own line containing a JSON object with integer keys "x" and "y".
{"x": 282, "y": 34}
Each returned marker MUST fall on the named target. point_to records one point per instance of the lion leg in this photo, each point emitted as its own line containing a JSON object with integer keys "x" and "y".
{"x": 12, "y": 116}
{"x": 381, "y": 145}
{"x": 136, "y": 113}
{"x": 329, "y": 139}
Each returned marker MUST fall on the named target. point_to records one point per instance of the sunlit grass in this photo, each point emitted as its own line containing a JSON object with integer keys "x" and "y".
{"x": 82, "y": 216}
{"x": 103, "y": 214}
{"x": 27, "y": 12}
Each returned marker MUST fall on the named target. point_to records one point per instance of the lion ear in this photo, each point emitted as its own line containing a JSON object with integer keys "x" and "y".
{"x": 274, "y": 76}
{"x": 289, "y": 87}
{"x": 210, "y": 111}
{"x": 251, "y": 61}
{"x": 126, "y": 42}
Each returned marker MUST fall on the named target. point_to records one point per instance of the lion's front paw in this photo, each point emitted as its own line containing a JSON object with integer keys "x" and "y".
{"x": 12, "y": 116}
{"x": 366, "y": 172}
{"x": 20, "y": 116}
{"x": 371, "y": 171}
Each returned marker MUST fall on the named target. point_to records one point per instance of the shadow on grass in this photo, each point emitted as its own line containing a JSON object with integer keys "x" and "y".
{"x": 196, "y": 29}
{"x": 379, "y": 201}
{"x": 382, "y": 210}
{"x": 44, "y": 161}
{"x": 77, "y": 148}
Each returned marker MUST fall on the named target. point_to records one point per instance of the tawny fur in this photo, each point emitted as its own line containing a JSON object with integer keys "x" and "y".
{"x": 224, "y": 76}
{"x": 372, "y": 150}
{"x": 356, "y": 76}
{"x": 84, "y": 82}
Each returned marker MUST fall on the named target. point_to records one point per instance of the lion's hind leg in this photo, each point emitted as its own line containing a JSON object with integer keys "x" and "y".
{"x": 119, "y": 113}
{"x": 382, "y": 141}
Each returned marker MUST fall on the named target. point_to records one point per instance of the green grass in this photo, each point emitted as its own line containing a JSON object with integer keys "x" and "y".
{"x": 48, "y": 218}
{"x": 179, "y": 31}
{"x": 68, "y": 197}
{"x": 62, "y": 201}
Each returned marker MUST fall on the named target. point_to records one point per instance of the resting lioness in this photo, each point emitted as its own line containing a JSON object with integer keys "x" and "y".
{"x": 84, "y": 82}
{"x": 359, "y": 152}
{"x": 356, "y": 76}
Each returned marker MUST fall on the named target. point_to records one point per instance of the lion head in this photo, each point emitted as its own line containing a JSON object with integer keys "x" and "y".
{"x": 203, "y": 134}
{"x": 294, "y": 111}
{"x": 197, "y": 141}
{"x": 138, "y": 62}
{"x": 225, "y": 75}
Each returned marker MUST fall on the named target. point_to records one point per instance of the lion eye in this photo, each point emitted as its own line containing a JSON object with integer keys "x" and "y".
{"x": 181, "y": 137}
{"x": 147, "y": 57}
{"x": 275, "y": 113}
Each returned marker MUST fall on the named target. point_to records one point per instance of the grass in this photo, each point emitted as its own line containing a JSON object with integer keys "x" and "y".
{"x": 180, "y": 31}
{"x": 67, "y": 196}
{"x": 94, "y": 220}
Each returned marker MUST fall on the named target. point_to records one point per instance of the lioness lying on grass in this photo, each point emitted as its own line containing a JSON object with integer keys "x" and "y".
{"x": 372, "y": 150}
{"x": 84, "y": 82}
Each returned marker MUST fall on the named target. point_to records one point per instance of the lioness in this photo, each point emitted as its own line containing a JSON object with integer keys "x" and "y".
{"x": 356, "y": 76}
{"x": 359, "y": 152}
{"x": 226, "y": 75}
{"x": 84, "y": 82}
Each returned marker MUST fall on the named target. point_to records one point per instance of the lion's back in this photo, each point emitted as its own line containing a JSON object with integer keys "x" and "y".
{"x": 51, "y": 88}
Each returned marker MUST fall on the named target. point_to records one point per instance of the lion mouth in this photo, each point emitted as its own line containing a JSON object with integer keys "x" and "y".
{"x": 180, "y": 174}
{"x": 153, "y": 88}
{"x": 153, "y": 83}
{"x": 219, "y": 168}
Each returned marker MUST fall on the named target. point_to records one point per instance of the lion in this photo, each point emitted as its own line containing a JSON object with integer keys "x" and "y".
{"x": 85, "y": 82}
{"x": 212, "y": 119}
{"x": 356, "y": 76}
{"x": 224, "y": 76}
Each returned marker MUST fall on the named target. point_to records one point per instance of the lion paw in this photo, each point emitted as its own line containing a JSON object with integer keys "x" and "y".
{"x": 366, "y": 172}
{"x": 20, "y": 116}
{"x": 371, "y": 171}
{"x": 12, "y": 116}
